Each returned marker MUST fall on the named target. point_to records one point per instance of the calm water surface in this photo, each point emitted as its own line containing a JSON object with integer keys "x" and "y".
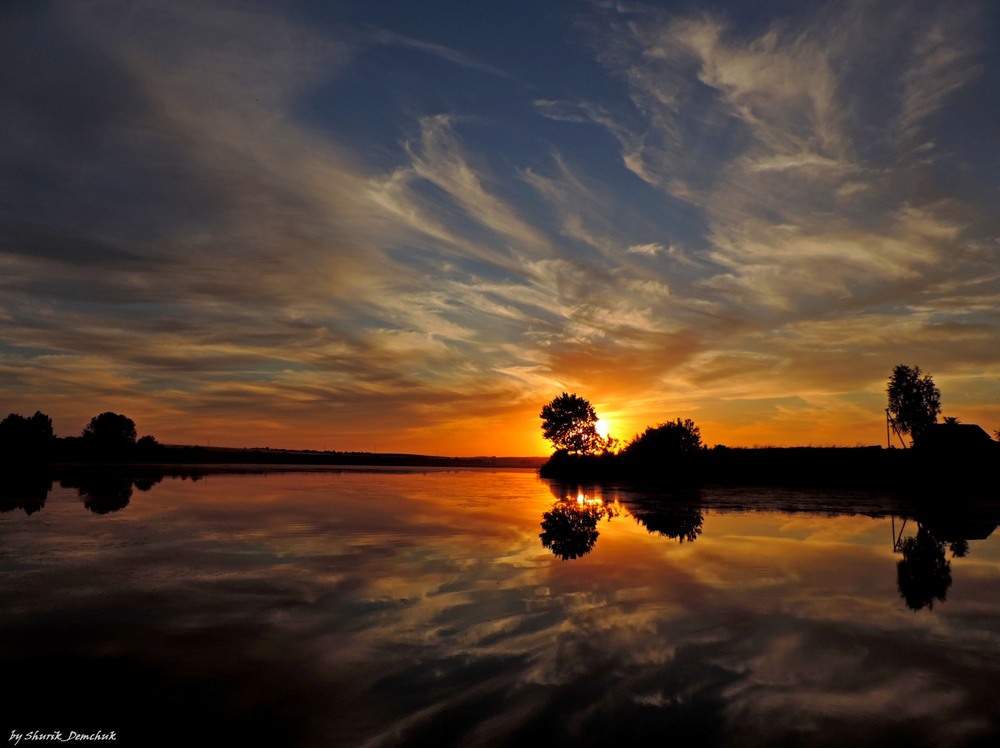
{"x": 488, "y": 608}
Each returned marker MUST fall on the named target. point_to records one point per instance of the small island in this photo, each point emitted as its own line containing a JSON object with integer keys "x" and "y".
{"x": 931, "y": 456}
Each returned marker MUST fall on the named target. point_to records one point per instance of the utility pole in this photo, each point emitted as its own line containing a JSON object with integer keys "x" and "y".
{"x": 890, "y": 421}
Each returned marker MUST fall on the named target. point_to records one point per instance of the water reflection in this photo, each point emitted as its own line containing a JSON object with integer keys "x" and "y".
{"x": 103, "y": 493}
{"x": 680, "y": 522}
{"x": 923, "y": 574}
{"x": 569, "y": 528}
{"x": 319, "y": 610}
{"x": 25, "y": 490}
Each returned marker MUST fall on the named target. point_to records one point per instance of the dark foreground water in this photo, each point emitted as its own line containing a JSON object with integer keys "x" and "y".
{"x": 487, "y": 608}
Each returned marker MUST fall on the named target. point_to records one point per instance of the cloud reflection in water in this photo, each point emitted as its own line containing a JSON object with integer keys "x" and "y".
{"x": 410, "y": 609}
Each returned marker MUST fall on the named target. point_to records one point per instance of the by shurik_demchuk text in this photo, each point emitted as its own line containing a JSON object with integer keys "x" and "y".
{"x": 60, "y": 737}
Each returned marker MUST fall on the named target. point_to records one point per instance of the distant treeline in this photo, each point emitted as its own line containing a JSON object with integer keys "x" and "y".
{"x": 112, "y": 438}
{"x": 30, "y": 440}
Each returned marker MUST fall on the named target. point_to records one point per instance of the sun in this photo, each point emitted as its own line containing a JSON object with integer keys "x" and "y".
{"x": 603, "y": 427}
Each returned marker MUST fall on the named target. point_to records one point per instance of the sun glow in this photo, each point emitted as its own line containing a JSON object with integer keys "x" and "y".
{"x": 603, "y": 427}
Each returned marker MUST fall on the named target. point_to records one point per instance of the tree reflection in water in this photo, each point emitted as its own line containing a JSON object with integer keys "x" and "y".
{"x": 24, "y": 490}
{"x": 923, "y": 575}
{"x": 569, "y": 528}
{"x": 678, "y": 523}
{"x": 103, "y": 494}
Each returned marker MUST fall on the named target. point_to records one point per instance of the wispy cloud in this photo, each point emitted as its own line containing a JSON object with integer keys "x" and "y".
{"x": 732, "y": 213}
{"x": 943, "y": 61}
{"x": 384, "y": 36}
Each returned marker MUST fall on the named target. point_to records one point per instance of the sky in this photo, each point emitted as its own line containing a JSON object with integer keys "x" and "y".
{"x": 374, "y": 225}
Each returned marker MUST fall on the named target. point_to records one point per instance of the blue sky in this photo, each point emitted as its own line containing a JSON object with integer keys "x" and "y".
{"x": 407, "y": 226}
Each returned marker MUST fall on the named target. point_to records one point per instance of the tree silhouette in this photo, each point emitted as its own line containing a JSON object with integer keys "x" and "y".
{"x": 110, "y": 431}
{"x": 568, "y": 421}
{"x": 147, "y": 448}
{"x": 666, "y": 445}
{"x": 677, "y": 437}
{"x": 25, "y": 438}
{"x": 914, "y": 400}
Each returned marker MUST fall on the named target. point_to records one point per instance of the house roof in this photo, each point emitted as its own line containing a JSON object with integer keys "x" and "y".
{"x": 954, "y": 436}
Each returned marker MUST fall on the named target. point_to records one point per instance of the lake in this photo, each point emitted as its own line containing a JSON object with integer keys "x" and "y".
{"x": 490, "y": 608}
